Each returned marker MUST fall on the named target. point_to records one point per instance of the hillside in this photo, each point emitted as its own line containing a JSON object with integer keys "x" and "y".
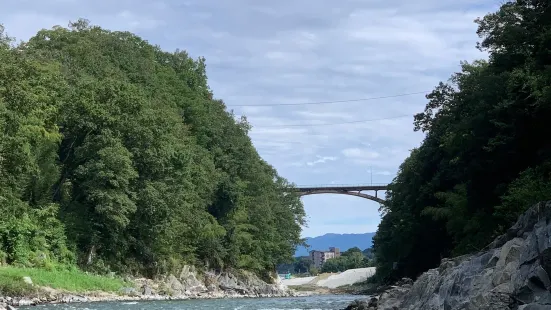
{"x": 480, "y": 164}
{"x": 341, "y": 241}
{"x": 114, "y": 156}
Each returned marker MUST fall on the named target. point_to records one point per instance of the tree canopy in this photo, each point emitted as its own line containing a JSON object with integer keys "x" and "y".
{"x": 485, "y": 157}
{"x": 114, "y": 155}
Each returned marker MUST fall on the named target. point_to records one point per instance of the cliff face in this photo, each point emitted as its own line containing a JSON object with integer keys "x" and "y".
{"x": 513, "y": 272}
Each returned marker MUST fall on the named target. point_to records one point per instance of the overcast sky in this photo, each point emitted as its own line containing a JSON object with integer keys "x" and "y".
{"x": 263, "y": 52}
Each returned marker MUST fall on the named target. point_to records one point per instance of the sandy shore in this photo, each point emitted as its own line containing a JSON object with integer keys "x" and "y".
{"x": 348, "y": 277}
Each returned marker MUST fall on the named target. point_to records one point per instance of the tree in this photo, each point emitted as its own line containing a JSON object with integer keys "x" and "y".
{"x": 30, "y": 233}
{"x": 121, "y": 150}
{"x": 479, "y": 165}
{"x": 351, "y": 251}
{"x": 350, "y": 259}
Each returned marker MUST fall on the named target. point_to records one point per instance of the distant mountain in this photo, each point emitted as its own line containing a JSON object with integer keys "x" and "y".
{"x": 341, "y": 241}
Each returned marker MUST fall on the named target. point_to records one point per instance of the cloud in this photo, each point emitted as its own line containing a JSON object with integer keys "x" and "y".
{"x": 310, "y": 51}
{"x": 357, "y": 153}
{"x": 136, "y": 22}
{"x": 321, "y": 160}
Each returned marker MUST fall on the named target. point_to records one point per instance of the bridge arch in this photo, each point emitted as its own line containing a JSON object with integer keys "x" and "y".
{"x": 351, "y": 190}
{"x": 357, "y": 194}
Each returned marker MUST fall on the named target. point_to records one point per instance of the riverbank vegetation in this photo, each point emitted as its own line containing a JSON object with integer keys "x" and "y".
{"x": 486, "y": 156}
{"x": 350, "y": 259}
{"x": 71, "y": 280}
{"x": 114, "y": 156}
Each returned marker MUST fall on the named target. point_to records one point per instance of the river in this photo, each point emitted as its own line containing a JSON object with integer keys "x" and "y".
{"x": 322, "y": 302}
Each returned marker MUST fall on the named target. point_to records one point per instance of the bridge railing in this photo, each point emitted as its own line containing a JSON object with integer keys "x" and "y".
{"x": 341, "y": 185}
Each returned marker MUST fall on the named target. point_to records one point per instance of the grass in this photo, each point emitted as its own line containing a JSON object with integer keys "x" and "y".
{"x": 12, "y": 284}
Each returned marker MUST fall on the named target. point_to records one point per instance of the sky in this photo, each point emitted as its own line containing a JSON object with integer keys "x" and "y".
{"x": 264, "y": 55}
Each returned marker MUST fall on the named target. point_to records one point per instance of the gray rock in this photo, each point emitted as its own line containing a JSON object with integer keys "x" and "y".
{"x": 10, "y": 308}
{"x": 28, "y": 280}
{"x": 189, "y": 280}
{"x": 216, "y": 285}
{"x": 513, "y": 272}
{"x": 534, "y": 307}
{"x": 23, "y": 302}
{"x": 146, "y": 290}
{"x": 68, "y": 298}
{"x": 373, "y": 302}
{"x": 174, "y": 286}
{"x": 129, "y": 291}
{"x": 358, "y": 305}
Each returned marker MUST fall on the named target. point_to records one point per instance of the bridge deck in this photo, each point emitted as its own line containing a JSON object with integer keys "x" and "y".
{"x": 332, "y": 187}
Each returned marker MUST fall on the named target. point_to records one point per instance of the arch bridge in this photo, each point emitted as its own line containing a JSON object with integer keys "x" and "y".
{"x": 352, "y": 190}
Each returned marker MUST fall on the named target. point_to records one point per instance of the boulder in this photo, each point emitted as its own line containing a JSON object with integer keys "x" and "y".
{"x": 146, "y": 290}
{"x": 358, "y": 305}
{"x": 190, "y": 282}
{"x": 174, "y": 286}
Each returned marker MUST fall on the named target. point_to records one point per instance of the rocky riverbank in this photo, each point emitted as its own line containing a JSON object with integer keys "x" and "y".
{"x": 188, "y": 284}
{"x": 513, "y": 272}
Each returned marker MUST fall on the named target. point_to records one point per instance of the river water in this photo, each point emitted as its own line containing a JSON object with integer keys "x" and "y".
{"x": 323, "y": 302}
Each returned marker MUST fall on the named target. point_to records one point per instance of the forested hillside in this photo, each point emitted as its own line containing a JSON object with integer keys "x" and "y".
{"x": 487, "y": 152}
{"x": 115, "y": 156}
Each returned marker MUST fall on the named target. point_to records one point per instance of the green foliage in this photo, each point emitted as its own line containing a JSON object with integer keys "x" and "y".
{"x": 481, "y": 163}
{"x": 114, "y": 155}
{"x": 533, "y": 185}
{"x": 12, "y": 284}
{"x": 368, "y": 253}
{"x": 314, "y": 271}
{"x": 350, "y": 259}
{"x": 299, "y": 265}
{"x": 30, "y": 233}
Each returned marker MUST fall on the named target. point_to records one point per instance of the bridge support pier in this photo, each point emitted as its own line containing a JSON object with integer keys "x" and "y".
{"x": 376, "y": 192}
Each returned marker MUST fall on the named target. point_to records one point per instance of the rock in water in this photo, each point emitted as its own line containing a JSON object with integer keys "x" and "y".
{"x": 358, "y": 305}
{"x": 363, "y": 304}
{"x": 513, "y": 272}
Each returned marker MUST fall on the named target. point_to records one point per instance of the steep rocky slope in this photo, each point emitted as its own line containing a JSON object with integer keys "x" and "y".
{"x": 513, "y": 272}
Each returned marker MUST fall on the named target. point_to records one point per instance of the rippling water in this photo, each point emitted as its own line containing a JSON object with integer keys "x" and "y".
{"x": 324, "y": 302}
